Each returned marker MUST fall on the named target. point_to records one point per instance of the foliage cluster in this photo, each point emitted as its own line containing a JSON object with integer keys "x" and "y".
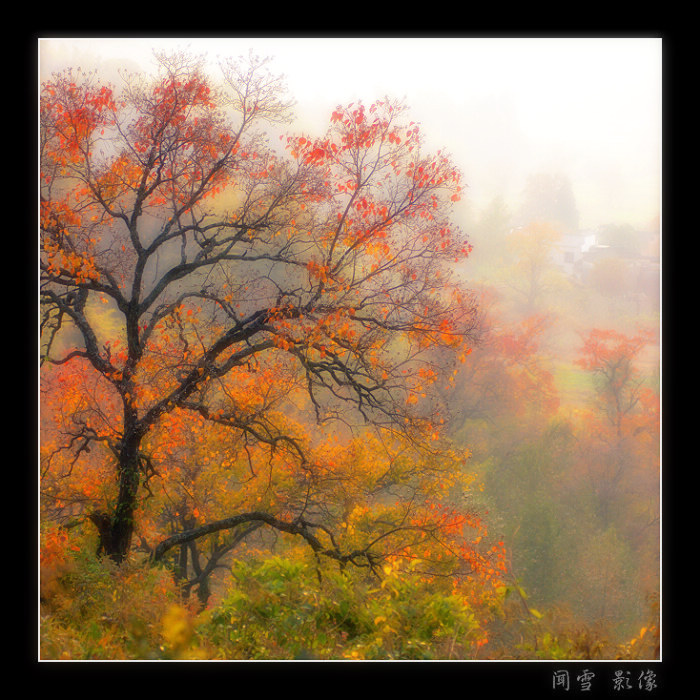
{"x": 569, "y": 461}
{"x": 291, "y": 607}
{"x": 92, "y": 609}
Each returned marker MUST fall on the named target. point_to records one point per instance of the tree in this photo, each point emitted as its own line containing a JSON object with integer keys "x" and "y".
{"x": 620, "y": 461}
{"x": 611, "y": 277}
{"x": 550, "y": 197}
{"x": 489, "y": 232}
{"x": 236, "y": 270}
{"x": 610, "y": 356}
{"x": 532, "y": 275}
{"x": 623, "y": 237}
{"x": 506, "y": 379}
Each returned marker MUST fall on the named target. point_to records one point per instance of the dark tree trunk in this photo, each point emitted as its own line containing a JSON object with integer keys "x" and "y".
{"x": 203, "y": 591}
{"x": 181, "y": 567}
{"x": 115, "y": 540}
{"x": 103, "y": 523}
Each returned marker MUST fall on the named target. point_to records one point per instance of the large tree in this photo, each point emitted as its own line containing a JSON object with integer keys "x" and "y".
{"x": 183, "y": 254}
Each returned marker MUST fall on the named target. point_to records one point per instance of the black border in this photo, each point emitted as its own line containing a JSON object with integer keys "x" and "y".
{"x": 504, "y": 678}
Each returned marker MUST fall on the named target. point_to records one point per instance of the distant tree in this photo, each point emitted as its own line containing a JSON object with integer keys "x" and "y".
{"x": 532, "y": 275}
{"x": 505, "y": 378}
{"x": 610, "y": 276}
{"x": 489, "y": 233}
{"x": 623, "y": 237}
{"x": 621, "y": 458}
{"x": 550, "y": 197}
{"x": 610, "y": 356}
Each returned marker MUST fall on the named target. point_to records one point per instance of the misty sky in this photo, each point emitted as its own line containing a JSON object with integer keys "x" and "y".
{"x": 504, "y": 108}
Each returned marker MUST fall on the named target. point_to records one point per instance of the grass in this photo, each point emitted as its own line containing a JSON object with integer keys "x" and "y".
{"x": 574, "y": 384}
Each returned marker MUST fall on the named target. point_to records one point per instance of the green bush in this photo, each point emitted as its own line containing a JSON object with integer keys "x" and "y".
{"x": 287, "y": 609}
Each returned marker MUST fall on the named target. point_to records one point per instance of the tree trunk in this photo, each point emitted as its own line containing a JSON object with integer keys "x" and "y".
{"x": 203, "y": 592}
{"x": 116, "y": 541}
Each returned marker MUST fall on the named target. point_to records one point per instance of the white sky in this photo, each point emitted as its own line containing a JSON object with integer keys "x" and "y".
{"x": 504, "y": 108}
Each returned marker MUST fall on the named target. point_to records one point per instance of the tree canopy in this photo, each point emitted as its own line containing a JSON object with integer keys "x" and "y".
{"x": 240, "y": 332}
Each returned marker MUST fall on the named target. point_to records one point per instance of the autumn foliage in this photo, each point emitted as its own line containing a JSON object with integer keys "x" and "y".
{"x": 239, "y": 340}
{"x": 272, "y": 414}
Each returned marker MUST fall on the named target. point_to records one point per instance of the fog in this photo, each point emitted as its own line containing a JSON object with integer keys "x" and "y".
{"x": 559, "y": 141}
{"x": 504, "y": 108}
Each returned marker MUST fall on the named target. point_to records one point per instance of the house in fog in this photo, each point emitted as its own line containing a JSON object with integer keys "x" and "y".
{"x": 570, "y": 250}
{"x": 632, "y": 273}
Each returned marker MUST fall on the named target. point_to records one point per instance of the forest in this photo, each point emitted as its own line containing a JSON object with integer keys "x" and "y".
{"x": 296, "y": 405}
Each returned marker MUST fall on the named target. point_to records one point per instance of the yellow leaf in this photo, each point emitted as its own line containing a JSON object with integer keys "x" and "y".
{"x": 176, "y": 627}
